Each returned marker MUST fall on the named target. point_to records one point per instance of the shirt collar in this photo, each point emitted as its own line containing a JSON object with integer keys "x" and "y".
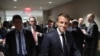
{"x": 20, "y": 30}
{"x": 59, "y": 32}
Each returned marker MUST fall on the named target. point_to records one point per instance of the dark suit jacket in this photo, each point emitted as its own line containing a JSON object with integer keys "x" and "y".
{"x": 78, "y": 37}
{"x": 45, "y": 30}
{"x": 92, "y": 36}
{"x": 51, "y": 45}
{"x": 83, "y": 26}
{"x": 38, "y": 29}
{"x": 3, "y": 32}
{"x": 11, "y": 43}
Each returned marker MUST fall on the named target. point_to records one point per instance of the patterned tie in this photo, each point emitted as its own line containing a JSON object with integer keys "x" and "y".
{"x": 20, "y": 47}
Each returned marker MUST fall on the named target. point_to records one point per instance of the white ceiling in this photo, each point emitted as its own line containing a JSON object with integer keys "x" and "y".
{"x": 34, "y": 4}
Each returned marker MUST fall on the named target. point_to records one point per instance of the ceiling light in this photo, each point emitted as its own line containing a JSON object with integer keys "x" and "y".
{"x": 15, "y": 0}
{"x": 40, "y": 7}
{"x": 15, "y": 7}
{"x": 50, "y": 2}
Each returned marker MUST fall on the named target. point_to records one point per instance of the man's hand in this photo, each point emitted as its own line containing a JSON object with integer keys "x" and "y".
{"x": 39, "y": 34}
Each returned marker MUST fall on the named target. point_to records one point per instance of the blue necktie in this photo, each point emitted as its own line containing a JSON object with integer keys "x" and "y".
{"x": 20, "y": 47}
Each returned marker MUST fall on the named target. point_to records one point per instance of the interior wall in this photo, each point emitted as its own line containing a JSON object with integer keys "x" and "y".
{"x": 2, "y": 15}
{"x": 79, "y": 8}
{"x": 46, "y": 16}
{"x": 38, "y": 14}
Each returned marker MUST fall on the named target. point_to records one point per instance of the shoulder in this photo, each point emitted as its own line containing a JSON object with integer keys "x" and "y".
{"x": 37, "y": 26}
{"x": 28, "y": 27}
{"x": 68, "y": 33}
{"x": 26, "y": 31}
{"x": 10, "y": 34}
{"x": 51, "y": 34}
{"x": 69, "y": 36}
{"x": 45, "y": 28}
{"x": 94, "y": 25}
{"x": 83, "y": 25}
{"x": 11, "y": 31}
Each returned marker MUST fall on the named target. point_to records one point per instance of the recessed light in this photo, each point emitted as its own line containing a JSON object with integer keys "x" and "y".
{"x": 50, "y": 2}
{"x": 15, "y": 0}
{"x": 15, "y": 7}
{"x": 40, "y": 7}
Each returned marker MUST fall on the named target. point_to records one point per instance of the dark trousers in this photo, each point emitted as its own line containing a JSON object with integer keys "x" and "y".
{"x": 37, "y": 50}
{"x": 89, "y": 52}
{"x": 23, "y": 55}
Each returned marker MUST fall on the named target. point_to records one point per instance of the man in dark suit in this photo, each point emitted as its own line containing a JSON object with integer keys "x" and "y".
{"x": 91, "y": 35}
{"x": 49, "y": 27}
{"x": 3, "y": 31}
{"x": 78, "y": 35}
{"x": 59, "y": 42}
{"x": 37, "y": 31}
{"x": 19, "y": 41}
{"x": 81, "y": 24}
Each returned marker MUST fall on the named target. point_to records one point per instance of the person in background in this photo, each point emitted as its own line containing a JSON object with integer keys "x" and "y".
{"x": 50, "y": 26}
{"x": 59, "y": 42}
{"x": 78, "y": 35}
{"x": 83, "y": 27}
{"x": 19, "y": 41}
{"x": 91, "y": 34}
{"x": 1, "y": 43}
{"x": 3, "y": 31}
{"x": 5, "y": 28}
{"x": 36, "y": 31}
{"x": 81, "y": 24}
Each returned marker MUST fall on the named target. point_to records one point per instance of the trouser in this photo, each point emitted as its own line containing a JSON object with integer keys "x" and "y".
{"x": 89, "y": 52}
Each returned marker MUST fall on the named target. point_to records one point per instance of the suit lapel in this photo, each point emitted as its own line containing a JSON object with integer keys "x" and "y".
{"x": 30, "y": 28}
{"x": 13, "y": 38}
{"x": 25, "y": 35}
{"x": 68, "y": 42}
{"x": 58, "y": 41}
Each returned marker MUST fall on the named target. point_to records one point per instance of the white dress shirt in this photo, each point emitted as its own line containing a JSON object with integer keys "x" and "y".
{"x": 61, "y": 38}
{"x": 23, "y": 45}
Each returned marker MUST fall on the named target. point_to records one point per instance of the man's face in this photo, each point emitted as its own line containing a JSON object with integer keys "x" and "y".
{"x": 50, "y": 24}
{"x": 32, "y": 21}
{"x": 90, "y": 18}
{"x": 62, "y": 23}
{"x": 17, "y": 23}
{"x": 80, "y": 21}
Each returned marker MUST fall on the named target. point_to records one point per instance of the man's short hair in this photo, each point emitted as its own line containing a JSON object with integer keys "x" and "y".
{"x": 75, "y": 22}
{"x": 64, "y": 15}
{"x": 33, "y": 18}
{"x": 50, "y": 21}
{"x": 16, "y": 17}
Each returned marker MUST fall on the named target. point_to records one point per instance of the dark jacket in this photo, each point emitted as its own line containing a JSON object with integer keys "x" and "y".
{"x": 51, "y": 45}
{"x": 11, "y": 43}
{"x": 92, "y": 36}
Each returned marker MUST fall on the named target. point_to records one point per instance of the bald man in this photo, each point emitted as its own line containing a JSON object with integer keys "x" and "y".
{"x": 91, "y": 35}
